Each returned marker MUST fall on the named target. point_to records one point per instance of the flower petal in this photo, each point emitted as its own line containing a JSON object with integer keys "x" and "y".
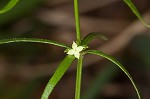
{"x": 71, "y": 52}
{"x": 77, "y": 54}
{"x": 74, "y": 45}
{"x": 75, "y": 50}
{"x": 79, "y": 48}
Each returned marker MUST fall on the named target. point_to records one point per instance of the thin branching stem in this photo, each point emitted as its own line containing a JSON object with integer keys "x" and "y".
{"x": 78, "y": 78}
{"x": 77, "y": 21}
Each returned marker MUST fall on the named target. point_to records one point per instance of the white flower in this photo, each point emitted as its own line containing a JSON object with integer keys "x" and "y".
{"x": 75, "y": 50}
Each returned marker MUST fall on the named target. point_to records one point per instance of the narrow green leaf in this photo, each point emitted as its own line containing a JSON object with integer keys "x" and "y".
{"x": 102, "y": 54}
{"x": 13, "y": 40}
{"x": 9, "y": 6}
{"x": 62, "y": 68}
{"x": 87, "y": 39}
{"x": 135, "y": 11}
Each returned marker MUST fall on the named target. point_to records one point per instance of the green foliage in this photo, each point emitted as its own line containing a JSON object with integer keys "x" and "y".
{"x": 100, "y": 53}
{"x": 135, "y": 11}
{"x": 64, "y": 65}
{"x": 22, "y": 8}
{"x": 62, "y": 68}
{"x": 9, "y": 6}
{"x": 13, "y": 40}
{"x": 87, "y": 39}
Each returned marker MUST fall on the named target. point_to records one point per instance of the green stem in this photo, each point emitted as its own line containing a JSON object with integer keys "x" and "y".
{"x": 78, "y": 78}
{"x": 77, "y": 21}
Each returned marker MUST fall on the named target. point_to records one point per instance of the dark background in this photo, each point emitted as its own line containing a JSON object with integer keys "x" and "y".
{"x": 25, "y": 68}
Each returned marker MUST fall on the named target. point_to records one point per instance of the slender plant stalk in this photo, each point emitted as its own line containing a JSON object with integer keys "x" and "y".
{"x": 78, "y": 78}
{"x": 79, "y": 65}
{"x": 77, "y": 21}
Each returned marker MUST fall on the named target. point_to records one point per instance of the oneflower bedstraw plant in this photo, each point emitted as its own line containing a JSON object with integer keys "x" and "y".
{"x": 77, "y": 51}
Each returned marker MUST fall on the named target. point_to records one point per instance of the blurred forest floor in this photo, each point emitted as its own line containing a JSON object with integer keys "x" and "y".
{"x": 25, "y": 68}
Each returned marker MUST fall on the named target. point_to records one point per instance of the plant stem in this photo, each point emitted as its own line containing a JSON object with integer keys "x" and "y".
{"x": 79, "y": 65}
{"x": 77, "y": 21}
{"x": 78, "y": 78}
